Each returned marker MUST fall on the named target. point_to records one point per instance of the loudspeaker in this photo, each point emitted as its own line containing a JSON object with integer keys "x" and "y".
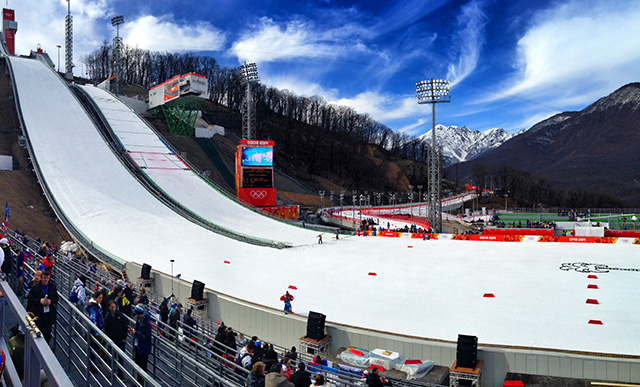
{"x": 145, "y": 273}
{"x": 467, "y": 351}
{"x": 196, "y": 290}
{"x": 315, "y": 325}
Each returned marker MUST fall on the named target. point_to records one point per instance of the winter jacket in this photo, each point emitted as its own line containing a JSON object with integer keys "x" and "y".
{"x": 254, "y": 380}
{"x": 81, "y": 292}
{"x": 116, "y": 326}
{"x": 301, "y": 378}
{"x": 274, "y": 379}
{"x": 36, "y": 293}
{"x": 94, "y": 309}
{"x": 164, "y": 313}
{"x": 143, "y": 335}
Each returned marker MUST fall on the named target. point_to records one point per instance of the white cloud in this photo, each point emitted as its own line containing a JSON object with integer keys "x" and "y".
{"x": 164, "y": 34}
{"x": 382, "y": 107}
{"x": 579, "y": 51}
{"x": 469, "y": 38}
{"x": 43, "y": 22}
{"x": 299, "y": 86}
{"x": 295, "y": 39}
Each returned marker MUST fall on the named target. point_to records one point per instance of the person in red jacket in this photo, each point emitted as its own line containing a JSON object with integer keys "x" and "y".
{"x": 48, "y": 263}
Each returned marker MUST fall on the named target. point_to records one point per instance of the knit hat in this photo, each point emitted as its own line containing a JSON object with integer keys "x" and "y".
{"x": 139, "y": 309}
{"x": 4, "y": 241}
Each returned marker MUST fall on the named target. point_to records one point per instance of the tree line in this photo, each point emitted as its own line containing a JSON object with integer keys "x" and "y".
{"x": 320, "y": 138}
{"x": 147, "y": 68}
{"x": 534, "y": 191}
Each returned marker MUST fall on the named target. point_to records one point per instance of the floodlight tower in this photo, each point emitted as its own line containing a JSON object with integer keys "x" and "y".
{"x": 248, "y": 74}
{"x": 434, "y": 91}
{"x": 68, "y": 43}
{"x": 117, "y": 50}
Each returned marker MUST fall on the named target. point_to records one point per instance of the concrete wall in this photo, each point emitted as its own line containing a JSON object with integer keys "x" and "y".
{"x": 273, "y": 326}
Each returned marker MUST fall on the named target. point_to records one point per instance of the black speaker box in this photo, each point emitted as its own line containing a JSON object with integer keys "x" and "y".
{"x": 315, "y": 325}
{"x": 467, "y": 351}
{"x": 145, "y": 273}
{"x": 197, "y": 290}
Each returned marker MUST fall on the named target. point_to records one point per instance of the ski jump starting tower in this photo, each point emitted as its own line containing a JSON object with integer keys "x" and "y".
{"x": 179, "y": 101}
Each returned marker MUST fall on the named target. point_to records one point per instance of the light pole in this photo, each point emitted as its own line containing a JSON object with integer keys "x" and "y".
{"x": 433, "y": 91}
{"x": 321, "y": 193}
{"x": 341, "y": 199}
{"x": 410, "y": 195}
{"x": 331, "y": 193}
{"x": 117, "y": 50}
{"x": 248, "y": 74}
{"x": 420, "y": 200}
{"x": 354, "y": 196}
{"x": 68, "y": 43}
{"x": 59, "y": 47}
{"x": 173, "y": 295}
{"x": 505, "y": 201}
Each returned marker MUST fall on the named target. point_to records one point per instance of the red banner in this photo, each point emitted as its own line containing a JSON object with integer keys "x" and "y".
{"x": 284, "y": 212}
{"x": 575, "y": 239}
{"x": 258, "y": 197}
{"x": 622, "y": 234}
{"x": 9, "y": 14}
{"x": 494, "y": 238}
{"x": 518, "y": 231}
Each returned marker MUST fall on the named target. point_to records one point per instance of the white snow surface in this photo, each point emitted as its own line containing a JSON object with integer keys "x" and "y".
{"x": 433, "y": 290}
{"x": 184, "y": 185}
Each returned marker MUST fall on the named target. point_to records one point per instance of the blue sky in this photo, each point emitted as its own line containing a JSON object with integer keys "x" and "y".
{"x": 511, "y": 63}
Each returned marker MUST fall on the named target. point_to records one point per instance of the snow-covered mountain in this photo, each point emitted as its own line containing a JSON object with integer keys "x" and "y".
{"x": 463, "y": 144}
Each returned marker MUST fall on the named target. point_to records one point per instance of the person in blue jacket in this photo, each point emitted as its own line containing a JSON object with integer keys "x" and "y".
{"x": 142, "y": 338}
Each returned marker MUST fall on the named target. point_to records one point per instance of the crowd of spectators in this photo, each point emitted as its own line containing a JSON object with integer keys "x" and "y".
{"x": 526, "y": 224}
{"x": 109, "y": 305}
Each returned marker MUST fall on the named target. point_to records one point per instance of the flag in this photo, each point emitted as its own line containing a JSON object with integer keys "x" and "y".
{"x": 7, "y": 213}
{"x": 3, "y": 227}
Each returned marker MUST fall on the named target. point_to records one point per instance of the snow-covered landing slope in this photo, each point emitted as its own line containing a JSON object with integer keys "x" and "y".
{"x": 433, "y": 290}
{"x": 181, "y": 183}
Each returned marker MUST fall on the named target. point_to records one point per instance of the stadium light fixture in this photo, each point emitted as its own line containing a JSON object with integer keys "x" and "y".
{"x": 248, "y": 75}
{"x": 434, "y": 91}
{"x": 117, "y": 50}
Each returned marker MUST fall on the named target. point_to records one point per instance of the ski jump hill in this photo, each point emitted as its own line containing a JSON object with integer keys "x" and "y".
{"x": 411, "y": 296}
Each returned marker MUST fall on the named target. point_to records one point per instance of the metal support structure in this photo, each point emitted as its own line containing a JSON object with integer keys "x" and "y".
{"x": 434, "y": 91}
{"x": 180, "y": 115}
{"x": 354, "y": 196}
{"x": 117, "y": 52}
{"x": 248, "y": 75}
{"x": 68, "y": 43}
{"x": 321, "y": 194}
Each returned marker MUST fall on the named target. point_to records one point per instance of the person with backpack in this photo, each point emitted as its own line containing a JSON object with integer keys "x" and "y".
{"x": 78, "y": 294}
{"x": 245, "y": 354}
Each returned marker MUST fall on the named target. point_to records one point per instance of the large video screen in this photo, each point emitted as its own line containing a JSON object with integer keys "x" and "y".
{"x": 257, "y": 178}
{"x": 257, "y": 156}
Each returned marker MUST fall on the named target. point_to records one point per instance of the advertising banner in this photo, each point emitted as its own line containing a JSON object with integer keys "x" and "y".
{"x": 258, "y": 197}
{"x": 575, "y": 239}
{"x": 284, "y": 212}
{"x": 493, "y": 238}
{"x": 517, "y": 231}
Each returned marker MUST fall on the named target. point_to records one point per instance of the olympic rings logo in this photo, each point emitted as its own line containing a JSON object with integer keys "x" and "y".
{"x": 258, "y": 194}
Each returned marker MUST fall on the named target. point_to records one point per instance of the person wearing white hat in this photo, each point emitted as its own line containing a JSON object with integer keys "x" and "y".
{"x": 6, "y": 265}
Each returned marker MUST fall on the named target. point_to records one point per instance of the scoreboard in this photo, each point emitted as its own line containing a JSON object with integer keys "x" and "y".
{"x": 254, "y": 173}
{"x": 257, "y": 177}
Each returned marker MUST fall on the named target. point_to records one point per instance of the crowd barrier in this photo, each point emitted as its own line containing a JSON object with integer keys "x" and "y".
{"x": 517, "y": 231}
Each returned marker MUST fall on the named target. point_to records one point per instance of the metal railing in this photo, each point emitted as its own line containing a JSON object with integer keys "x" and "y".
{"x": 37, "y": 354}
{"x": 175, "y": 359}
